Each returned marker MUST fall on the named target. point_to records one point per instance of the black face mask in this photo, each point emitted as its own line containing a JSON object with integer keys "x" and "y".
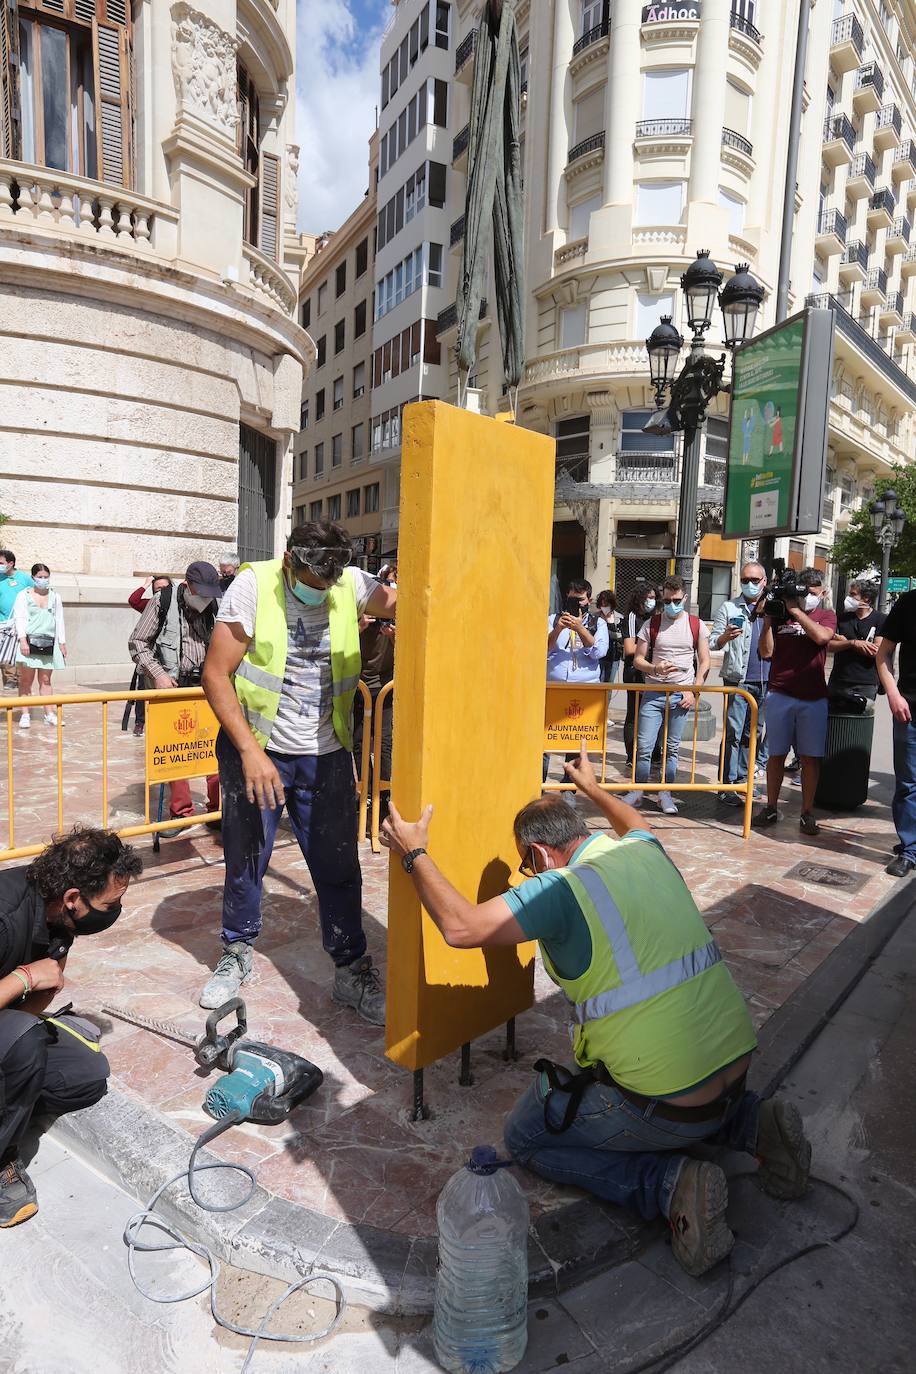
{"x": 95, "y": 920}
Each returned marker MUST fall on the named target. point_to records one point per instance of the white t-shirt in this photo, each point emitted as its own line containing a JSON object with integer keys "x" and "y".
{"x": 304, "y": 717}
{"x": 673, "y": 644}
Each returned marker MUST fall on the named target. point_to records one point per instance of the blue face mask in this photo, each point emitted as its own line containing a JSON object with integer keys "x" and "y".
{"x": 750, "y": 589}
{"x": 309, "y": 596}
{"x": 650, "y": 605}
{"x": 673, "y": 608}
{"x": 41, "y": 584}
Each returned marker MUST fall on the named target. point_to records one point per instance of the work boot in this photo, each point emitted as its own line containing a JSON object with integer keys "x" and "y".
{"x": 233, "y": 969}
{"x": 18, "y": 1199}
{"x": 783, "y": 1152}
{"x": 359, "y": 986}
{"x": 700, "y": 1235}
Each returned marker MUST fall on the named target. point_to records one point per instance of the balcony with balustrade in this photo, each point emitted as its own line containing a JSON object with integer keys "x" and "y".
{"x": 456, "y": 234}
{"x": 854, "y": 262}
{"x": 839, "y": 140}
{"x": 847, "y": 43}
{"x": 890, "y": 314}
{"x": 898, "y": 236}
{"x": 861, "y": 178}
{"x": 874, "y": 287}
{"x": 590, "y": 47}
{"x": 908, "y": 263}
{"x": 591, "y": 148}
{"x": 464, "y": 67}
{"x": 655, "y": 137}
{"x": 738, "y": 151}
{"x": 882, "y": 207}
{"x": 869, "y": 89}
{"x": 906, "y": 330}
{"x": 888, "y": 127}
{"x": 831, "y": 233}
{"x": 460, "y": 148}
{"x": 647, "y": 468}
{"x": 903, "y": 163}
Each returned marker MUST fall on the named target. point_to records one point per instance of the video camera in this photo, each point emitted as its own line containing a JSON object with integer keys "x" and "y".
{"x": 782, "y": 587}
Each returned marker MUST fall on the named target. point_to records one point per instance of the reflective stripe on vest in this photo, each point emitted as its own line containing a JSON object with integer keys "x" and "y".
{"x": 259, "y": 676}
{"x": 635, "y": 987}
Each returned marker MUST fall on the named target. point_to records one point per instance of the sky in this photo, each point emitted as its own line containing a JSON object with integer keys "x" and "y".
{"x": 337, "y": 85}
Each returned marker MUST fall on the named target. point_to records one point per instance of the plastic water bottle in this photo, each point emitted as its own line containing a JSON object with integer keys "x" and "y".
{"x": 480, "y": 1325}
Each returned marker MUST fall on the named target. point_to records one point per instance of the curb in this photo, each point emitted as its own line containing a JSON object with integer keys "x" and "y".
{"x": 137, "y": 1149}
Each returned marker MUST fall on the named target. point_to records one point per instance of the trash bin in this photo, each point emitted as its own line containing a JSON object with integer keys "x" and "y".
{"x": 846, "y": 765}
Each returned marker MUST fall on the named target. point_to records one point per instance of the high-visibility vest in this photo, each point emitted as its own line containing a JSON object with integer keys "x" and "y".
{"x": 259, "y": 676}
{"x": 656, "y": 1005}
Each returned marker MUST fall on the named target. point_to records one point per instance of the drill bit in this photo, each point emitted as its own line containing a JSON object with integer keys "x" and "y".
{"x": 150, "y": 1023}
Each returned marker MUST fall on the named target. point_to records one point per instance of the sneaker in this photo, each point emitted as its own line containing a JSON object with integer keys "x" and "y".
{"x": 631, "y": 799}
{"x": 767, "y": 815}
{"x": 730, "y": 799}
{"x": 760, "y": 774}
{"x": 25, "y": 721}
{"x": 807, "y": 824}
{"x": 233, "y": 969}
{"x": 783, "y": 1152}
{"x": 795, "y": 780}
{"x": 666, "y": 804}
{"x": 18, "y": 1199}
{"x": 700, "y": 1235}
{"x": 359, "y": 986}
{"x": 138, "y": 731}
{"x": 51, "y": 718}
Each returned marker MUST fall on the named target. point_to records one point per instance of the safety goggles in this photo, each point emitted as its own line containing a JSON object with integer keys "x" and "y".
{"x": 327, "y": 564}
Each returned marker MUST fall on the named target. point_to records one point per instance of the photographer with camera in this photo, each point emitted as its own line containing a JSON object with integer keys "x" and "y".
{"x": 577, "y": 642}
{"x": 169, "y": 645}
{"x": 855, "y": 646}
{"x": 796, "y": 634}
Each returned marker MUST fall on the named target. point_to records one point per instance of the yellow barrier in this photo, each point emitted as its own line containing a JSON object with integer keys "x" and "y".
{"x": 102, "y": 699}
{"x": 744, "y": 789}
{"x": 379, "y": 784}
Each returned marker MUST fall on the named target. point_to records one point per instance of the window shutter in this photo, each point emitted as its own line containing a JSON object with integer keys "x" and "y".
{"x": 111, "y": 45}
{"x": 9, "y": 80}
{"x": 270, "y": 205}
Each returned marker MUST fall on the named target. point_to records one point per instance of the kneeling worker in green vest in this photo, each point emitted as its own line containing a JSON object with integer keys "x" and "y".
{"x": 661, "y": 1034}
{"x": 281, "y": 674}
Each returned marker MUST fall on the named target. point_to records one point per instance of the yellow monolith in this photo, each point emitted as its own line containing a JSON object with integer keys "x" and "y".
{"x": 473, "y": 581}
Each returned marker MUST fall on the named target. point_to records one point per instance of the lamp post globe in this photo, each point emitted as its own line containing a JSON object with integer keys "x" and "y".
{"x": 890, "y": 502}
{"x": 663, "y": 347}
{"x": 878, "y": 510}
{"x": 740, "y": 300}
{"x": 700, "y": 284}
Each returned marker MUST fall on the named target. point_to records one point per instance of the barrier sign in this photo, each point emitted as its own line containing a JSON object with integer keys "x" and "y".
{"x": 574, "y": 716}
{"x": 180, "y": 740}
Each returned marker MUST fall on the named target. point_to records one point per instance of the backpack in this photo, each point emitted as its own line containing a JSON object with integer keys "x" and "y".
{"x": 655, "y": 624}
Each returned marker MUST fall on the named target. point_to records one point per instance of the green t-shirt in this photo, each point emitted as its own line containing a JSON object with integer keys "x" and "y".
{"x": 546, "y": 909}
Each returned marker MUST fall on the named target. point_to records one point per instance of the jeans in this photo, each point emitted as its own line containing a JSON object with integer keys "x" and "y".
{"x": 651, "y": 720}
{"x": 620, "y": 1152}
{"x": 610, "y": 669}
{"x": 738, "y": 732}
{"x": 321, "y": 801}
{"x": 904, "y": 803}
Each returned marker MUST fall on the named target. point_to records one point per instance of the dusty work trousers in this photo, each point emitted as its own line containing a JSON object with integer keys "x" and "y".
{"x": 321, "y": 801}
{"x": 45, "y": 1070}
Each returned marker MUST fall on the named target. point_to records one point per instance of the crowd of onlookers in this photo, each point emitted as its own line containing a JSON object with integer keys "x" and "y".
{"x": 779, "y": 661}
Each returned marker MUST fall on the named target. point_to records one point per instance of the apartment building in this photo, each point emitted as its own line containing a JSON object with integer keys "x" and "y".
{"x": 648, "y": 133}
{"x": 331, "y": 475}
{"x": 152, "y": 361}
{"x": 412, "y": 243}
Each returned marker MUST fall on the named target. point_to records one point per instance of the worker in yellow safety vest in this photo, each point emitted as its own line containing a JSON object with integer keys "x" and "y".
{"x": 281, "y": 674}
{"x": 661, "y": 1035}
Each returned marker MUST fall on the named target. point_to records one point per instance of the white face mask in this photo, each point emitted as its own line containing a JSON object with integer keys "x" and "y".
{"x": 852, "y": 603}
{"x": 197, "y": 603}
{"x": 812, "y": 601}
{"x": 650, "y": 605}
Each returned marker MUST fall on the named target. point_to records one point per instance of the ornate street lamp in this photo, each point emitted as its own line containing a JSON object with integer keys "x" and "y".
{"x": 700, "y": 379}
{"x": 887, "y": 521}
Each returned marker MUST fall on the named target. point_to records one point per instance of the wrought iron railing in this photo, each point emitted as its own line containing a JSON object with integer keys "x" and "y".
{"x": 832, "y": 222}
{"x": 870, "y": 74}
{"x": 465, "y": 50}
{"x": 847, "y": 29}
{"x": 855, "y": 254}
{"x": 462, "y": 139}
{"x": 862, "y": 166}
{"x": 456, "y": 233}
{"x": 648, "y": 467}
{"x": 664, "y": 128}
{"x": 738, "y": 21}
{"x": 888, "y": 117}
{"x": 865, "y": 343}
{"x": 883, "y": 200}
{"x": 875, "y": 280}
{"x": 591, "y": 36}
{"x": 737, "y": 141}
{"x": 839, "y": 126}
{"x": 587, "y": 145}
{"x": 900, "y": 229}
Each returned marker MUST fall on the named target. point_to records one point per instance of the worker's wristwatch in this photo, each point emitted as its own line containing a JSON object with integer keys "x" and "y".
{"x": 410, "y": 859}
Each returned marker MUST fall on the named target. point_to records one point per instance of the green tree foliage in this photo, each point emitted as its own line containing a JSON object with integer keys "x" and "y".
{"x": 857, "y": 548}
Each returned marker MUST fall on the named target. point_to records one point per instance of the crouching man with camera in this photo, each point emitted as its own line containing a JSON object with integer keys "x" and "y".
{"x": 797, "y": 630}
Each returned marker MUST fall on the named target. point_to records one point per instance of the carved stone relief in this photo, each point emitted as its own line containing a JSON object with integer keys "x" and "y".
{"x": 291, "y": 192}
{"x": 204, "y": 69}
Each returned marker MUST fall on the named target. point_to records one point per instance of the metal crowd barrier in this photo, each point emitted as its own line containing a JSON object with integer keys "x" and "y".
{"x": 629, "y": 784}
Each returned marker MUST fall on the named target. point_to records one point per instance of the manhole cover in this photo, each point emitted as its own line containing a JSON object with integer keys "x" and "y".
{"x": 825, "y": 876}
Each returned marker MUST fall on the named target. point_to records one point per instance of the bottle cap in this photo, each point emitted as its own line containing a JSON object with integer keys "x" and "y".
{"x": 485, "y": 1160}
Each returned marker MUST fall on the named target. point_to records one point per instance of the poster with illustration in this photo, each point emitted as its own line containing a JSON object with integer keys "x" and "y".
{"x": 764, "y": 430}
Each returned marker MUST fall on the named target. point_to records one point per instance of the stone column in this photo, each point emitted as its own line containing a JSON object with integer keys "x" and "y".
{"x": 709, "y": 101}
{"x": 622, "y": 101}
{"x": 564, "y": 36}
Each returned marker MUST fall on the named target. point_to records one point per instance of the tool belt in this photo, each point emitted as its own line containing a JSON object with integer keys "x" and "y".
{"x": 562, "y": 1080}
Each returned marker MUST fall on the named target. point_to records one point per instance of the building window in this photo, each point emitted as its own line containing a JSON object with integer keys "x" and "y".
{"x": 322, "y": 346}
{"x": 340, "y": 331}
{"x": 304, "y": 415}
{"x": 362, "y": 257}
{"x": 69, "y": 109}
{"x": 336, "y": 450}
{"x": 573, "y": 325}
{"x": 632, "y": 439}
{"x": 592, "y": 11}
{"x": 262, "y": 200}
{"x": 357, "y": 442}
{"x": 299, "y": 516}
{"x": 440, "y": 103}
{"x": 659, "y": 202}
{"x": 737, "y": 108}
{"x": 573, "y": 439}
{"x": 579, "y": 216}
{"x": 435, "y": 264}
{"x": 315, "y": 510}
{"x": 319, "y": 404}
{"x": 319, "y": 459}
{"x": 322, "y": 298}
{"x": 303, "y": 466}
{"x": 370, "y": 505}
{"x": 334, "y": 507}
{"x": 359, "y": 380}
{"x": 338, "y": 393}
{"x": 649, "y": 310}
{"x": 442, "y": 17}
{"x": 353, "y": 503}
{"x": 736, "y": 208}
{"x": 716, "y": 451}
{"x": 666, "y": 93}
{"x": 340, "y": 280}
{"x": 359, "y": 320}
{"x": 306, "y": 313}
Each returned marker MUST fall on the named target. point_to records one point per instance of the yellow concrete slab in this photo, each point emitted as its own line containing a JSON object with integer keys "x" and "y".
{"x": 473, "y": 581}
